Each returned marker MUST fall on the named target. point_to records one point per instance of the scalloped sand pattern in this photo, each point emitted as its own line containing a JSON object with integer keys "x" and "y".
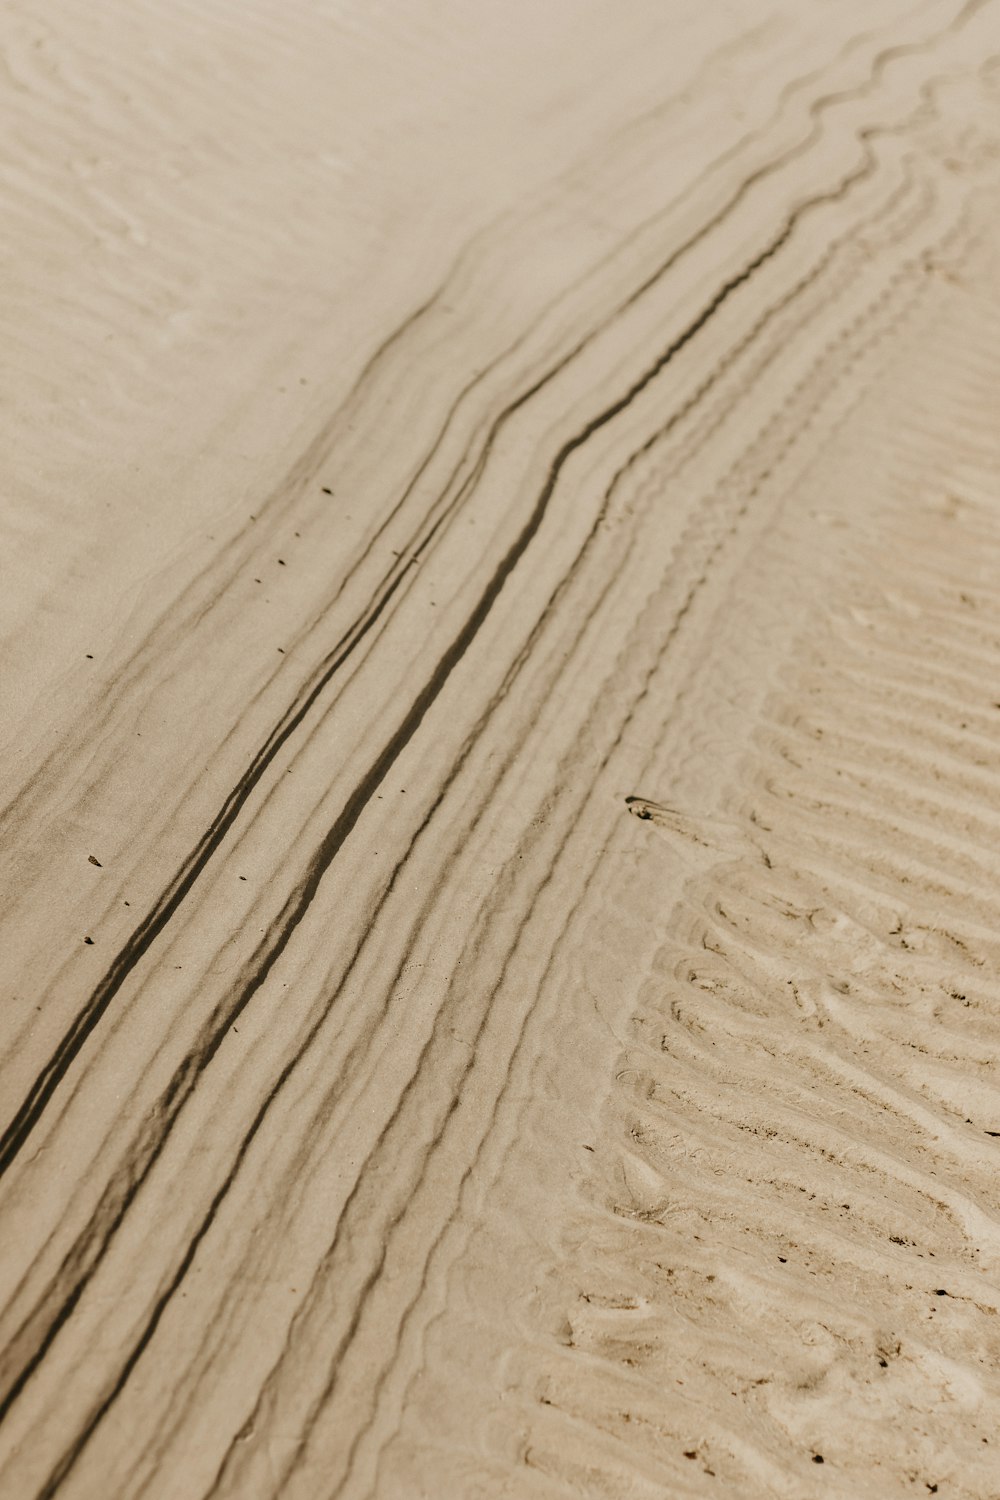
{"x": 501, "y": 798}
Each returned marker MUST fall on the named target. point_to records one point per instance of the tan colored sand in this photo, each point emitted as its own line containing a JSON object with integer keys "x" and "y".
{"x": 501, "y": 637}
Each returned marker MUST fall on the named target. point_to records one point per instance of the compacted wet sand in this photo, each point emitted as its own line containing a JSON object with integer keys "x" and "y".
{"x": 501, "y": 775}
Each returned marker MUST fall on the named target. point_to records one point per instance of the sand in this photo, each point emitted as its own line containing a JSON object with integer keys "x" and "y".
{"x": 501, "y": 798}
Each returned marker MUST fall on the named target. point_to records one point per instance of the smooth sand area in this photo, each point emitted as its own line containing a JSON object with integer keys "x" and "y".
{"x": 500, "y": 625}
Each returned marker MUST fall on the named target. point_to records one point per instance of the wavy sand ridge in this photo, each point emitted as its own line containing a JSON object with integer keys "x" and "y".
{"x": 529, "y": 1028}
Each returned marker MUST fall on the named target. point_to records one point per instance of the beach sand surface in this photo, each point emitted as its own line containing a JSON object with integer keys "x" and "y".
{"x": 500, "y": 917}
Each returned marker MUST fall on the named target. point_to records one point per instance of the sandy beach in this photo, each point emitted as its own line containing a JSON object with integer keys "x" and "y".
{"x": 500, "y": 927}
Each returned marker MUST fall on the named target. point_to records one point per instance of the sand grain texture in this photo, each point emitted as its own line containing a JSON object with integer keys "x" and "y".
{"x": 501, "y": 795}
